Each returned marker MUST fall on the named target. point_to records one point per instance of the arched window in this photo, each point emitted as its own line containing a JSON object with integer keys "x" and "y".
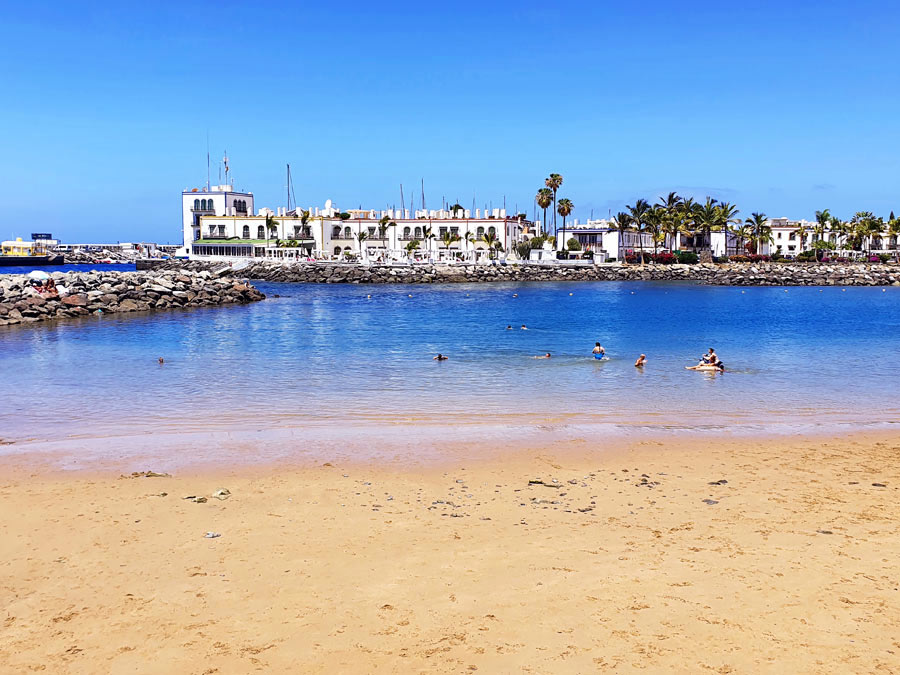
{"x": 337, "y": 249}
{"x": 406, "y": 232}
{"x": 246, "y": 231}
{"x": 492, "y": 230}
{"x": 418, "y": 232}
{"x": 196, "y": 205}
{"x": 347, "y": 233}
{"x": 480, "y": 232}
{"x": 260, "y": 232}
{"x": 336, "y": 233}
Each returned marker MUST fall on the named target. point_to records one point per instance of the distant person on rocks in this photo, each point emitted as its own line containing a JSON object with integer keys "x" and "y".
{"x": 641, "y": 360}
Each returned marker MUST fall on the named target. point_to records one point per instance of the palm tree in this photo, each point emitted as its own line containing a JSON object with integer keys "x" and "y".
{"x": 758, "y": 223}
{"x": 554, "y": 182}
{"x": 411, "y": 246}
{"x": 564, "y": 208}
{"x": 687, "y": 216}
{"x": 823, "y": 219}
{"x": 449, "y": 238}
{"x": 893, "y": 231}
{"x": 865, "y": 228}
{"x": 744, "y": 233}
{"x": 727, "y": 214}
{"x": 361, "y": 236}
{"x": 637, "y": 219}
{"x": 544, "y": 199}
{"x": 622, "y": 222}
{"x": 490, "y": 238}
{"x": 655, "y": 226}
{"x": 800, "y": 232}
{"x": 707, "y": 218}
{"x": 271, "y": 227}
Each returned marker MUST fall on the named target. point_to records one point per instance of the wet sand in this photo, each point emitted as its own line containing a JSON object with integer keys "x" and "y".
{"x": 714, "y": 555}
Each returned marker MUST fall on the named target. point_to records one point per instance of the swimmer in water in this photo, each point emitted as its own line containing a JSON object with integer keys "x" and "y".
{"x": 509, "y": 328}
{"x": 440, "y": 357}
{"x": 524, "y": 327}
{"x": 545, "y": 356}
{"x": 641, "y": 360}
{"x": 161, "y": 360}
{"x": 598, "y": 350}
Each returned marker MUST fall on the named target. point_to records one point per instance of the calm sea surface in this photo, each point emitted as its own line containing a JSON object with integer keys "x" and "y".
{"x": 801, "y": 359}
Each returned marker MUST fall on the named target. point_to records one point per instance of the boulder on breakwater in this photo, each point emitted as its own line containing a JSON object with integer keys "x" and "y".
{"x": 85, "y": 293}
{"x": 727, "y": 274}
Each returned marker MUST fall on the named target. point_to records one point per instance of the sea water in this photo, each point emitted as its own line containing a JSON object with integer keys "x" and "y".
{"x": 361, "y": 357}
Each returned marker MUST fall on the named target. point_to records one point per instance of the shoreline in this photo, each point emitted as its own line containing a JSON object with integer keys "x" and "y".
{"x": 680, "y": 554}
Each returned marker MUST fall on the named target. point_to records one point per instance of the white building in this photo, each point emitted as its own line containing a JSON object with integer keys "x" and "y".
{"x": 328, "y": 233}
{"x": 602, "y": 236}
{"x": 219, "y": 200}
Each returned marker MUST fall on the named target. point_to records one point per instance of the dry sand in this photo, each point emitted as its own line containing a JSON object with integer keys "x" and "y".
{"x": 793, "y": 565}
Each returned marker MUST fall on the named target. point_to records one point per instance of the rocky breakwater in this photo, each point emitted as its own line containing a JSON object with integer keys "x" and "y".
{"x": 84, "y": 293}
{"x": 730, "y": 274}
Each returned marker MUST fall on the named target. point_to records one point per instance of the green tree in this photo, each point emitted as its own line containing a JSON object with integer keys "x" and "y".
{"x": 554, "y": 182}
{"x": 573, "y": 244}
{"x": 544, "y": 199}
{"x": 637, "y": 220}
{"x": 564, "y": 208}
{"x": 449, "y": 238}
{"x": 707, "y": 219}
{"x": 726, "y": 215}
{"x": 823, "y": 219}
{"x": 490, "y": 238}
{"x": 762, "y": 232}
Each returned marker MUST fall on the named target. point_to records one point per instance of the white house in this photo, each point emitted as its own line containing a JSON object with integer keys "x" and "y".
{"x": 218, "y": 200}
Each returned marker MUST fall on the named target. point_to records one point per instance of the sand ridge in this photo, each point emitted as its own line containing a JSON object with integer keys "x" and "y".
{"x": 754, "y": 555}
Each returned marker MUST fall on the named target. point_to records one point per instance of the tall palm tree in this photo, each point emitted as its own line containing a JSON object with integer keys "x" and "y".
{"x": 564, "y": 208}
{"x": 271, "y": 228}
{"x": 554, "y": 182}
{"x": 544, "y": 199}
{"x": 637, "y": 219}
{"x": 823, "y": 219}
{"x": 727, "y": 214}
{"x": 655, "y": 225}
{"x": 411, "y": 246}
{"x": 758, "y": 223}
{"x": 707, "y": 218}
{"x": 429, "y": 236}
{"x": 622, "y": 222}
{"x": 800, "y": 233}
{"x": 362, "y": 235}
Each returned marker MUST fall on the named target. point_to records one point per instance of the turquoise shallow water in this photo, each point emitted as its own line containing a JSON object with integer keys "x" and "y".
{"x": 805, "y": 359}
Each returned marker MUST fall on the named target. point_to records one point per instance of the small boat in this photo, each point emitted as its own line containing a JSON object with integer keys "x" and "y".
{"x": 20, "y": 253}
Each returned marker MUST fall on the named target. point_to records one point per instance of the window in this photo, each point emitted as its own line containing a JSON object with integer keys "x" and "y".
{"x": 347, "y": 233}
{"x": 418, "y": 232}
{"x": 196, "y": 205}
{"x": 337, "y": 249}
{"x": 406, "y": 232}
{"x": 492, "y": 230}
{"x": 336, "y": 233}
{"x": 441, "y": 232}
{"x": 479, "y": 233}
{"x": 246, "y": 233}
{"x": 260, "y": 232}
{"x": 371, "y": 231}
{"x": 792, "y": 237}
{"x": 779, "y": 235}
{"x": 221, "y": 230}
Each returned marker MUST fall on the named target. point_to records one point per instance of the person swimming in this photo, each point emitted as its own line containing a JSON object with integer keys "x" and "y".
{"x": 598, "y": 351}
{"x": 509, "y": 328}
{"x": 524, "y": 327}
{"x": 641, "y": 361}
{"x": 710, "y": 358}
{"x": 440, "y": 357}
{"x": 545, "y": 356}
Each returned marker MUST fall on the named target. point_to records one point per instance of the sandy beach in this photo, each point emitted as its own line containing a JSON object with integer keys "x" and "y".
{"x": 727, "y": 556}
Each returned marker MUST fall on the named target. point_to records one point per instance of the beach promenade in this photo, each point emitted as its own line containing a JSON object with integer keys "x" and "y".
{"x": 714, "y": 555}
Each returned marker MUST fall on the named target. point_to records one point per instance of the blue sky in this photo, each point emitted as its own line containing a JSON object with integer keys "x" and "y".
{"x": 780, "y": 107}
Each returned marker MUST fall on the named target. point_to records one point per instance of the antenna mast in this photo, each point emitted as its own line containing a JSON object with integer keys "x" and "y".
{"x": 423, "y": 194}
{"x": 402, "y": 201}
{"x": 207, "y": 161}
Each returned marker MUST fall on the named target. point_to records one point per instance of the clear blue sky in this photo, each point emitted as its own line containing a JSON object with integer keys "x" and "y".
{"x": 781, "y": 107}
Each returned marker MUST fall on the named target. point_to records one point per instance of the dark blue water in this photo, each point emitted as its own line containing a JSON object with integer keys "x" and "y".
{"x": 86, "y": 267}
{"x": 797, "y": 359}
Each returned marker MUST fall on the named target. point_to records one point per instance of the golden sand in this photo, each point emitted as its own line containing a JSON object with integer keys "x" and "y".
{"x": 617, "y": 560}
